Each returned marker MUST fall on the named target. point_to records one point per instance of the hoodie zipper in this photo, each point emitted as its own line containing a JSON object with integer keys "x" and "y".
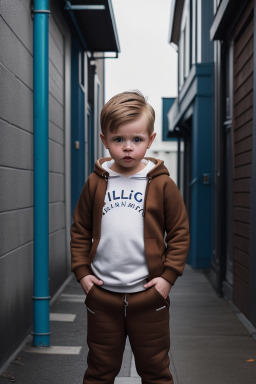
{"x": 146, "y": 192}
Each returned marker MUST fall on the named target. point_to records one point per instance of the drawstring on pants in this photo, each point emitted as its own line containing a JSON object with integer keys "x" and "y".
{"x": 125, "y": 305}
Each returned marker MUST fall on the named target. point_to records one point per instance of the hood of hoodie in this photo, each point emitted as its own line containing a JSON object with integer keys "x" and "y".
{"x": 159, "y": 168}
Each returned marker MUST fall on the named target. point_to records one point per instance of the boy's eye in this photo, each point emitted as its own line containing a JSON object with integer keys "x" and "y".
{"x": 137, "y": 140}
{"x": 118, "y": 139}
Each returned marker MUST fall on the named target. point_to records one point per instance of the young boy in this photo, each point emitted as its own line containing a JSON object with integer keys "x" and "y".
{"x": 129, "y": 243}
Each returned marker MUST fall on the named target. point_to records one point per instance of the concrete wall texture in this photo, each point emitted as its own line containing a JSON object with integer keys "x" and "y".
{"x": 57, "y": 240}
{"x": 16, "y": 169}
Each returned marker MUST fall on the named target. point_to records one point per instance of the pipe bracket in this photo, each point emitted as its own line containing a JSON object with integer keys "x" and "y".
{"x": 41, "y": 298}
{"x": 40, "y": 334}
{"x": 41, "y": 11}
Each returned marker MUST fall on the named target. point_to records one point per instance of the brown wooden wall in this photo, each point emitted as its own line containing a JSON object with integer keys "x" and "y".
{"x": 242, "y": 149}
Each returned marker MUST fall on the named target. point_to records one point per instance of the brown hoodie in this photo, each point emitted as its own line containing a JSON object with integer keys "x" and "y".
{"x": 166, "y": 227}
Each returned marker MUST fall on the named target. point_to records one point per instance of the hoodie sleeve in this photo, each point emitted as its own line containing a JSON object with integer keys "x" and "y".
{"x": 81, "y": 234}
{"x": 177, "y": 232}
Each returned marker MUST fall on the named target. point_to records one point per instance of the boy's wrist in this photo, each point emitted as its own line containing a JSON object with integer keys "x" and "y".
{"x": 170, "y": 275}
{"x": 167, "y": 281}
{"x": 82, "y": 271}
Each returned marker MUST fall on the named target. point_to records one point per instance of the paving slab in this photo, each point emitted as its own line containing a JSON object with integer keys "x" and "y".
{"x": 127, "y": 380}
{"x": 208, "y": 342}
{"x": 211, "y": 360}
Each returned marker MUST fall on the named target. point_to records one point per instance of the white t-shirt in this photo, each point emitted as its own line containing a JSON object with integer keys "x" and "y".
{"x": 120, "y": 260}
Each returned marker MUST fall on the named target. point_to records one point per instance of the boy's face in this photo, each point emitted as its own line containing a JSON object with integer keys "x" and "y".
{"x": 128, "y": 145}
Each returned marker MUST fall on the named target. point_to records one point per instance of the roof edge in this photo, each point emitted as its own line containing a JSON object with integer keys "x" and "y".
{"x": 227, "y": 14}
{"x": 175, "y": 21}
{"x": 112, "y": 15}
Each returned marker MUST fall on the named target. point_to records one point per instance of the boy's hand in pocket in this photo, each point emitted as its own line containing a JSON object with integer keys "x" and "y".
{"x": 161, "y": 285}
{"x": 88, "y": 281}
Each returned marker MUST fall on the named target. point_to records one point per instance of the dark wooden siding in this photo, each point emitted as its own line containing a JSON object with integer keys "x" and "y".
{"x": 242, "y": 135}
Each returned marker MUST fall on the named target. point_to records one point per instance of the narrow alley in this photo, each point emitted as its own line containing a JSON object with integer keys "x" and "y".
{"x": 60, "y": 62}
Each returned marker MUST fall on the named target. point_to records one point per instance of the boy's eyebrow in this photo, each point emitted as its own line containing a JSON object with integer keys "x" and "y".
{"x": 135, "y": 135}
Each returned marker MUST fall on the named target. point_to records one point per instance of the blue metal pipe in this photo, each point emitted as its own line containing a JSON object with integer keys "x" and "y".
{"x": 41, "y": 331}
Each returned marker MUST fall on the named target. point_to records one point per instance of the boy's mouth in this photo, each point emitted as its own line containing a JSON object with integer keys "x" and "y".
{"x": 127, "y": 158}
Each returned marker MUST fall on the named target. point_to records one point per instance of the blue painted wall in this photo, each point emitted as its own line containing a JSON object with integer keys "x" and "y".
{"x": 202, "y": 184}
{"x": 167, "y": 103}
{"x": 196, "y": 100}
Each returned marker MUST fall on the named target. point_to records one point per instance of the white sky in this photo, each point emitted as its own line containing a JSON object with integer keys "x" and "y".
{"x": 146, "y": 62}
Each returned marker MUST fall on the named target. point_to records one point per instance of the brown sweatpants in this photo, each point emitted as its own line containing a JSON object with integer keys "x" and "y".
{"x": 144, "y": 318}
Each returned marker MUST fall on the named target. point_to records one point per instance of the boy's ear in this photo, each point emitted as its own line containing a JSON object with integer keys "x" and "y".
{"x": 151, "y": 139}
{"x": 104, "y": 141}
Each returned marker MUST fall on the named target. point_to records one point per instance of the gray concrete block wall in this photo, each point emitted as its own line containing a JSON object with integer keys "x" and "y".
{"x": 16, "y": 13}
{"x": 15, "y": 56}
{"x": 16, "y": 174}
{"x": 16, "y": 189}
{"x": 56, "y": 84}
{"x": 56, "y": 133}
{"x": 57, "y": 250}
{"x": 15, "y": 140}
{"x": 15, "y": 96}
{"x": 58, "y": 253}
{"x": 16, "y": 274}
{"x": 16, "y": 169}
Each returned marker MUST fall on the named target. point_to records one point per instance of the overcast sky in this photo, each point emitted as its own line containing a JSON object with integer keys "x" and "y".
{"x": 146, "y": 62}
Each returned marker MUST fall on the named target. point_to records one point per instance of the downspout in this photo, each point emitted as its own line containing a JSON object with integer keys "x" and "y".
{"x": 41, "y": 331}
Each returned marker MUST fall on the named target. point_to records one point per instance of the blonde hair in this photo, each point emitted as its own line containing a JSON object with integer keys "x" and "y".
{"x": 123, "y": 108}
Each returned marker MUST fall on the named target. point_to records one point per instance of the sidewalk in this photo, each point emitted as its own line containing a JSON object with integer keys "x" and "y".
{"x": 209, "y": 345}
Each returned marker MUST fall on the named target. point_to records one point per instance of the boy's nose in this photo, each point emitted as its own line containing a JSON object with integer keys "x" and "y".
{"x": 128, "y": 146}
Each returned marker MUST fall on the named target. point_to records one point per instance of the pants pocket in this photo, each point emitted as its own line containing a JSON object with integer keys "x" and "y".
{"x": 89, "y": 294}
{"x": 165, "y": 302}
